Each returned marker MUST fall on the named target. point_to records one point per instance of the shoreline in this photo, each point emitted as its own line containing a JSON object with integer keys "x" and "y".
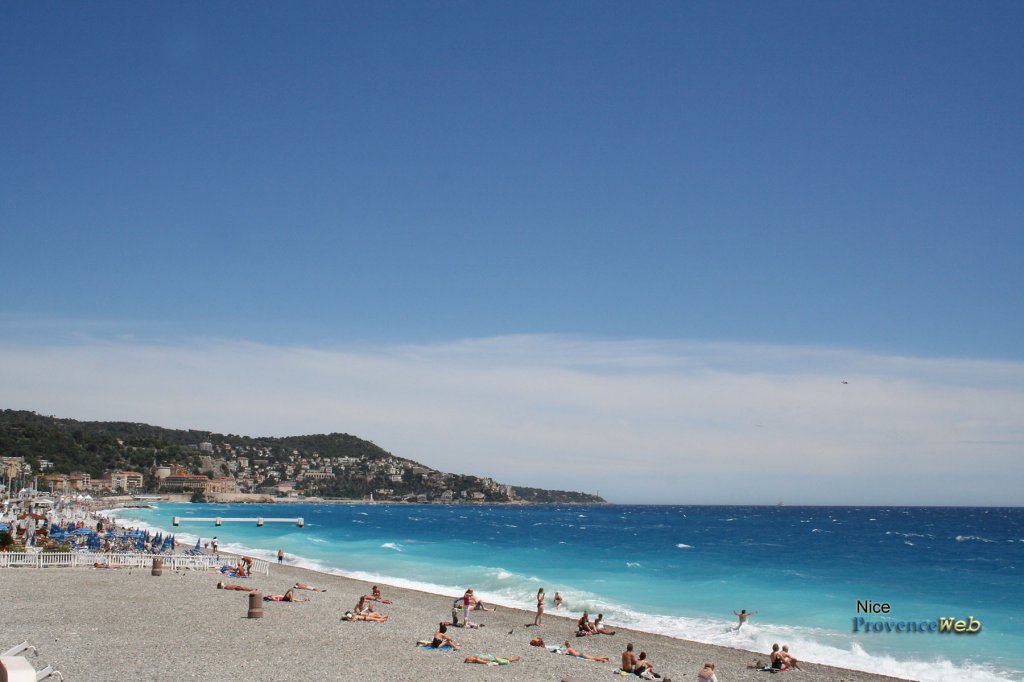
{"x": 737, "y": 659}
{"x": 181, "y": 619}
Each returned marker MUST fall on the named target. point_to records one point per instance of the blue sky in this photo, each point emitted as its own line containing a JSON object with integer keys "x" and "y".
{"x": 362, "y": 179}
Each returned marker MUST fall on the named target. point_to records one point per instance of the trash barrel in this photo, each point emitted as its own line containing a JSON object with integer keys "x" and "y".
{"x": 158, "y": 566}
{"x": 255, "y": 605}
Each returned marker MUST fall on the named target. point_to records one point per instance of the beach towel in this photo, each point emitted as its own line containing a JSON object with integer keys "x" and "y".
{"x": 426, "y": 645}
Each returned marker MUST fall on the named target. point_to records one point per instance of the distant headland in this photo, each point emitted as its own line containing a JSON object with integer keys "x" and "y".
{"x": 69, "y": 456}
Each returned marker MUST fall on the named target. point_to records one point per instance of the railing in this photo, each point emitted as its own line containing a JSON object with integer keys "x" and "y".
{"x": 174, "y": 562}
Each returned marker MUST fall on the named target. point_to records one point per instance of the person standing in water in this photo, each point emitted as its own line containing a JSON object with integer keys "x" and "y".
{"x": 743, "y": 616}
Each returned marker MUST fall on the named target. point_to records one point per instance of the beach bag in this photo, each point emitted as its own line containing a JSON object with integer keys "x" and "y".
{"x": 536, "y": 641}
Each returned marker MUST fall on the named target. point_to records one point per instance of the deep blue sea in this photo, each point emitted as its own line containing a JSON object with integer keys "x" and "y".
{"x": 682, "y": 571}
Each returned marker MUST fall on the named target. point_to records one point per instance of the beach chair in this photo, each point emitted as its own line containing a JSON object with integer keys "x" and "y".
{"x": 18, "y": 648}
{"x": 47, "y": 672}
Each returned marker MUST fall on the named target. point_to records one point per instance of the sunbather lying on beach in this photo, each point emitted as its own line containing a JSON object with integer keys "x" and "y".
{"x": 490, "y": 659}
{"x": 241, "y": 588}
{"x": 287, "y": 596}
{"x": 99, "y": 565}
{"x": 707, "y": 673}
{"x": 302, "y": 586}
{"x": 441, "y": 638}
{"x": 568, "y": 650}
{"x": 375, "y": 617}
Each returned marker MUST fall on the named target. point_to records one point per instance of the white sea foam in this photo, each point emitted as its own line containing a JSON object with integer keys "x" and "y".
{"x": 392, "y": 545}
{"x": 683, "y": 545}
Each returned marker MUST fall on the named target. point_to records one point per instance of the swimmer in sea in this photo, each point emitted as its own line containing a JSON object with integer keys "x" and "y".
{"x": 744, "y": 617}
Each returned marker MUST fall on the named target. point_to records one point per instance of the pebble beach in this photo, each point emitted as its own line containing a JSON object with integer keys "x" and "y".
{"x": 121, "y": 624}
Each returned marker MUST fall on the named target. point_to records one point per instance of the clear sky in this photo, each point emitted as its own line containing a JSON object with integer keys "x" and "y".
{"x": 627, "y": 247}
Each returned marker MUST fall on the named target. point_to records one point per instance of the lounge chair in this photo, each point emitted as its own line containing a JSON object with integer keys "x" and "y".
{"x": 47, "y": 672}
{"x": 18, "y": 669}
{"x": 18, "y": 648}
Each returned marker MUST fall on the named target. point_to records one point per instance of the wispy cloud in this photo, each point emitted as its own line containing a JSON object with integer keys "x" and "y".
{"x": 641, "y": 421}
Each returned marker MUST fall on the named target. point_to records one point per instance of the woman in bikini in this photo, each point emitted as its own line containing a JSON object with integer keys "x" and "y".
{"x": 568, "y": 650}
{"x": 441, "y": 638}
{"x": 540, "y": 607}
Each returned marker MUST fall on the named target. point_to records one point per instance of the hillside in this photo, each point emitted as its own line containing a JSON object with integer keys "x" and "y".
{"x": 327, "y": 465}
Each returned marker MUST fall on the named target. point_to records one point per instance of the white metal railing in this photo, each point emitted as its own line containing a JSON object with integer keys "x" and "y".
{"x": 199, "y": 562}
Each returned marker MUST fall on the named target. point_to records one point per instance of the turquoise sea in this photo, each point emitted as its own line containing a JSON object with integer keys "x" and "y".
{"x": 682, "y": 571}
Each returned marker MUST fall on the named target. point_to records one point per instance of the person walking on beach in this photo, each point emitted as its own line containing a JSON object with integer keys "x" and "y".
{"x": 540, "y": 607}
{"x": 467, "y": 606}
{"x": 214, "y": 544}
{"x": 743, "y": 616}
{"x": 280, "y": 556}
